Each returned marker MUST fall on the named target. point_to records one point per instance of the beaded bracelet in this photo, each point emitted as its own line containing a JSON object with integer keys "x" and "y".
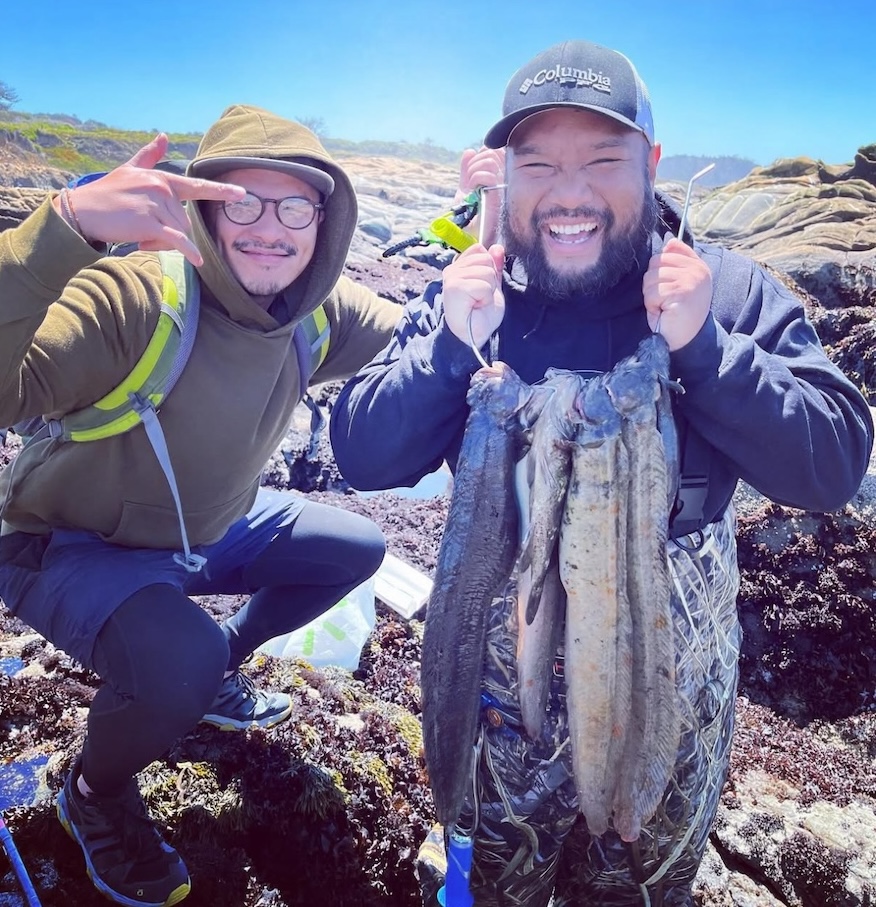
{"x": 69, "y": 212}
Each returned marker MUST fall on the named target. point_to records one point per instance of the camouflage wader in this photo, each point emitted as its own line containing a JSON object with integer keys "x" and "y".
{"x": 530, "y": 841}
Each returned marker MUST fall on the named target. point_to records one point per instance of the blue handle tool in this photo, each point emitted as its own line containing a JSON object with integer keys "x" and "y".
{"x": 455, "y": 891}
{"x": 17, "y": 865}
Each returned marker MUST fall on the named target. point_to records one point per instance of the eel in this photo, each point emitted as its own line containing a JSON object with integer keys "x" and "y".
{"x": 537, "y": 644}
{"x": 654, "y": 731}
{"x": 476, "y": 556}
{"x": 548, "y": 462}
{"x": 592, "y": 557}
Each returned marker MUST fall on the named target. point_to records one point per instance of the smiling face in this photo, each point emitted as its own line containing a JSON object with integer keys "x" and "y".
{"x": 265, "y": 257}
{"x": 580, "y": 203}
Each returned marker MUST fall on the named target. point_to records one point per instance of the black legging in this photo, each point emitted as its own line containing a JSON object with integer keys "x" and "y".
{"x": 163, "y": 658}
{"x": 309, "y": 567}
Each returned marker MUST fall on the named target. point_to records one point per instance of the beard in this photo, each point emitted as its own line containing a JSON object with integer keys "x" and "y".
{"x": 624, "y": 249}
{"x": 268, "y": 286}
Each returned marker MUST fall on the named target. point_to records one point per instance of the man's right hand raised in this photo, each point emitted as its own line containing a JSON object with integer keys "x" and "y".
{"x": 135, "y": 203}
{"x": 473, "y": 286}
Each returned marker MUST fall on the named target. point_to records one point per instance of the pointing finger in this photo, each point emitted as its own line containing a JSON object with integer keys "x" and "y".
{"x": 192, "y": 188}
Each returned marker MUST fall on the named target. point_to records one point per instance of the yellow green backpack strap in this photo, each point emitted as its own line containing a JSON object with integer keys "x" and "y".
{"x": 137, "y": 398}
{"x": 312, "y": 337}
{"x": 158, "y": 368}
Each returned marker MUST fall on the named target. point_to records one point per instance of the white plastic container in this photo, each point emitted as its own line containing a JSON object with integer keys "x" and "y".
{"x": 337, "y": 636}
{"x": 401, "y": 587}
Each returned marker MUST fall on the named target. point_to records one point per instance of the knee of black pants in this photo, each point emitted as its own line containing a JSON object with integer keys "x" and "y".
{"x": 369, "y": 553}
{"x": 164, "y": 652}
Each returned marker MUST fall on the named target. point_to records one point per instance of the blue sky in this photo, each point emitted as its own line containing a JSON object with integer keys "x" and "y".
{"x": 761, "y": 80}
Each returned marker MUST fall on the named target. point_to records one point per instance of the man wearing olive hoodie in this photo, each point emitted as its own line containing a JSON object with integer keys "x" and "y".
{"x": 91, "y": 534}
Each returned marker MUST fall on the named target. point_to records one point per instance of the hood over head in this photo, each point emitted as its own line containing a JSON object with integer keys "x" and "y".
{"x": 247, "y": 137}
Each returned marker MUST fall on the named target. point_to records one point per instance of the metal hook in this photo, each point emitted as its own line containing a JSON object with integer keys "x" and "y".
{"x": 472, "y": 344}
{"x": 481, "y": 190}
{"x": 692, "y": 180}
{"x": 482, "y": 221}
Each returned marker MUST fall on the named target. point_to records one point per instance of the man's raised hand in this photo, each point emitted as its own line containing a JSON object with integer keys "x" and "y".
{"x": 473, "y": 291}
{"x": 136, "y": 203}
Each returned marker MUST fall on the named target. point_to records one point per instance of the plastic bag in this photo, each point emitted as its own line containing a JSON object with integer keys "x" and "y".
{"x": 336, "y": 637}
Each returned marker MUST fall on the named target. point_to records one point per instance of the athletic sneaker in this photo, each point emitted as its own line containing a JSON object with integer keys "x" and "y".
{"x": 431, "y": 867}
{"x": 126, "y": 857}
{"x": 239, "y": 705}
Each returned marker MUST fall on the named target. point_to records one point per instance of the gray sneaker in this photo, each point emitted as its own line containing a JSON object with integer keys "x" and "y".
{"x": 239, "y": 705}
{"x": 125, "y": 856}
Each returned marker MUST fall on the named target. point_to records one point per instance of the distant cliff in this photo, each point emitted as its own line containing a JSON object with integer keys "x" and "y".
{"x": 73, "y": 146}
{"x": 681, "y": 167}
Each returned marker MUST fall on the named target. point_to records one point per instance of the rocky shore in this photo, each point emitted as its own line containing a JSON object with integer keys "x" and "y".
{"x": 331, "y": 807}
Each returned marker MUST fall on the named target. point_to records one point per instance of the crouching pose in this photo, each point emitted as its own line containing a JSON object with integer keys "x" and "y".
{"x": 103, "y": 542}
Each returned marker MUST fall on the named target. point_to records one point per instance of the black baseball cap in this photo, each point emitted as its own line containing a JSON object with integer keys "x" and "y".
{"x": 575, "y": 74}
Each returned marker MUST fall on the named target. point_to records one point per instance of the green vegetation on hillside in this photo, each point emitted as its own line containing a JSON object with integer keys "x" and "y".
{"x": 77, "y": 147}
{"x": 81, "y": 147}
{"x": 69, "y": 144}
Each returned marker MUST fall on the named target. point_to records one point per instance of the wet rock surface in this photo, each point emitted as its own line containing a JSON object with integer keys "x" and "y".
{"x": 816, "y": 223}
{"x": 330, "y": 807}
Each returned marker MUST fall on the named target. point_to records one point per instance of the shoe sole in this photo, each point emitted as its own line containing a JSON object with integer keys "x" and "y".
{"x": 224, "y": 723}
{"x": 177, "y": 895}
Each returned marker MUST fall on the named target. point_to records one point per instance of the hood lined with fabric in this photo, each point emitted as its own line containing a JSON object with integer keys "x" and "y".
{"x": 250, "y": 132}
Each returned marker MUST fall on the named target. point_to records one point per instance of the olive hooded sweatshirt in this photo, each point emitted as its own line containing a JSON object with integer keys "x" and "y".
{"x": 72, "y": 326}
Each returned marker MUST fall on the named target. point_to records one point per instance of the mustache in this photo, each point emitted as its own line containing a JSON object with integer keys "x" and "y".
{"x": 248, "y": 245}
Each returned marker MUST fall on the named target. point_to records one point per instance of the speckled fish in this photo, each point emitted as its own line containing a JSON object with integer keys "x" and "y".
{"x": 592, "y": 554}
{"x": 653, "y": 354}
{"x": 537, "y": 645}
{"x": 653, "y": 734}
{"x": 536, "y": 642}
{"x": 476, "y": 557}
{"x": 548, "y": 464}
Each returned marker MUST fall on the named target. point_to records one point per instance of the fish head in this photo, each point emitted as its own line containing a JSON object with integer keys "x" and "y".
{"x": 565, "y": 414}
{"x": 568, "y": 385}
{"x": 540, "y": 396}
{"x": 500, "y": 391}
{"x": 653, "y": 352}
{"x": 632, "y": 385}
{"x": 599, "y": 418}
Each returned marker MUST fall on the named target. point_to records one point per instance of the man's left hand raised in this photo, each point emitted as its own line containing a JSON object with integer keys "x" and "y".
{"x": 678, "y": 291}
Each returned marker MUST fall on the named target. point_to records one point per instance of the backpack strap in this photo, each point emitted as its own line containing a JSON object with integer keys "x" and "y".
{"x": 311, "y": 338}
{"x": 732, "y": 282}
{"x": 137, "y": 399}
{"x": 157, "y": 370}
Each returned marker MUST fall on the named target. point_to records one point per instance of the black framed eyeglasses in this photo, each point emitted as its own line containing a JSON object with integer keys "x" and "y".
{"x": 293, "y": 212}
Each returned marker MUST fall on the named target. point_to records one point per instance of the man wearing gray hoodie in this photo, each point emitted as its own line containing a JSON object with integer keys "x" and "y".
{"x": 89, "y": 551}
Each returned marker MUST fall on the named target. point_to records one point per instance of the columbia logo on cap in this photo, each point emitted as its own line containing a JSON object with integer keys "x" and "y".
{"x": 568, "y": 75}
{"x": 575, "y": 74}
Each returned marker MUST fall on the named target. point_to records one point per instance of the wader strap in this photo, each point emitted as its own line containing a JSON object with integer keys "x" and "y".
{"x": 688, "y": 514}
